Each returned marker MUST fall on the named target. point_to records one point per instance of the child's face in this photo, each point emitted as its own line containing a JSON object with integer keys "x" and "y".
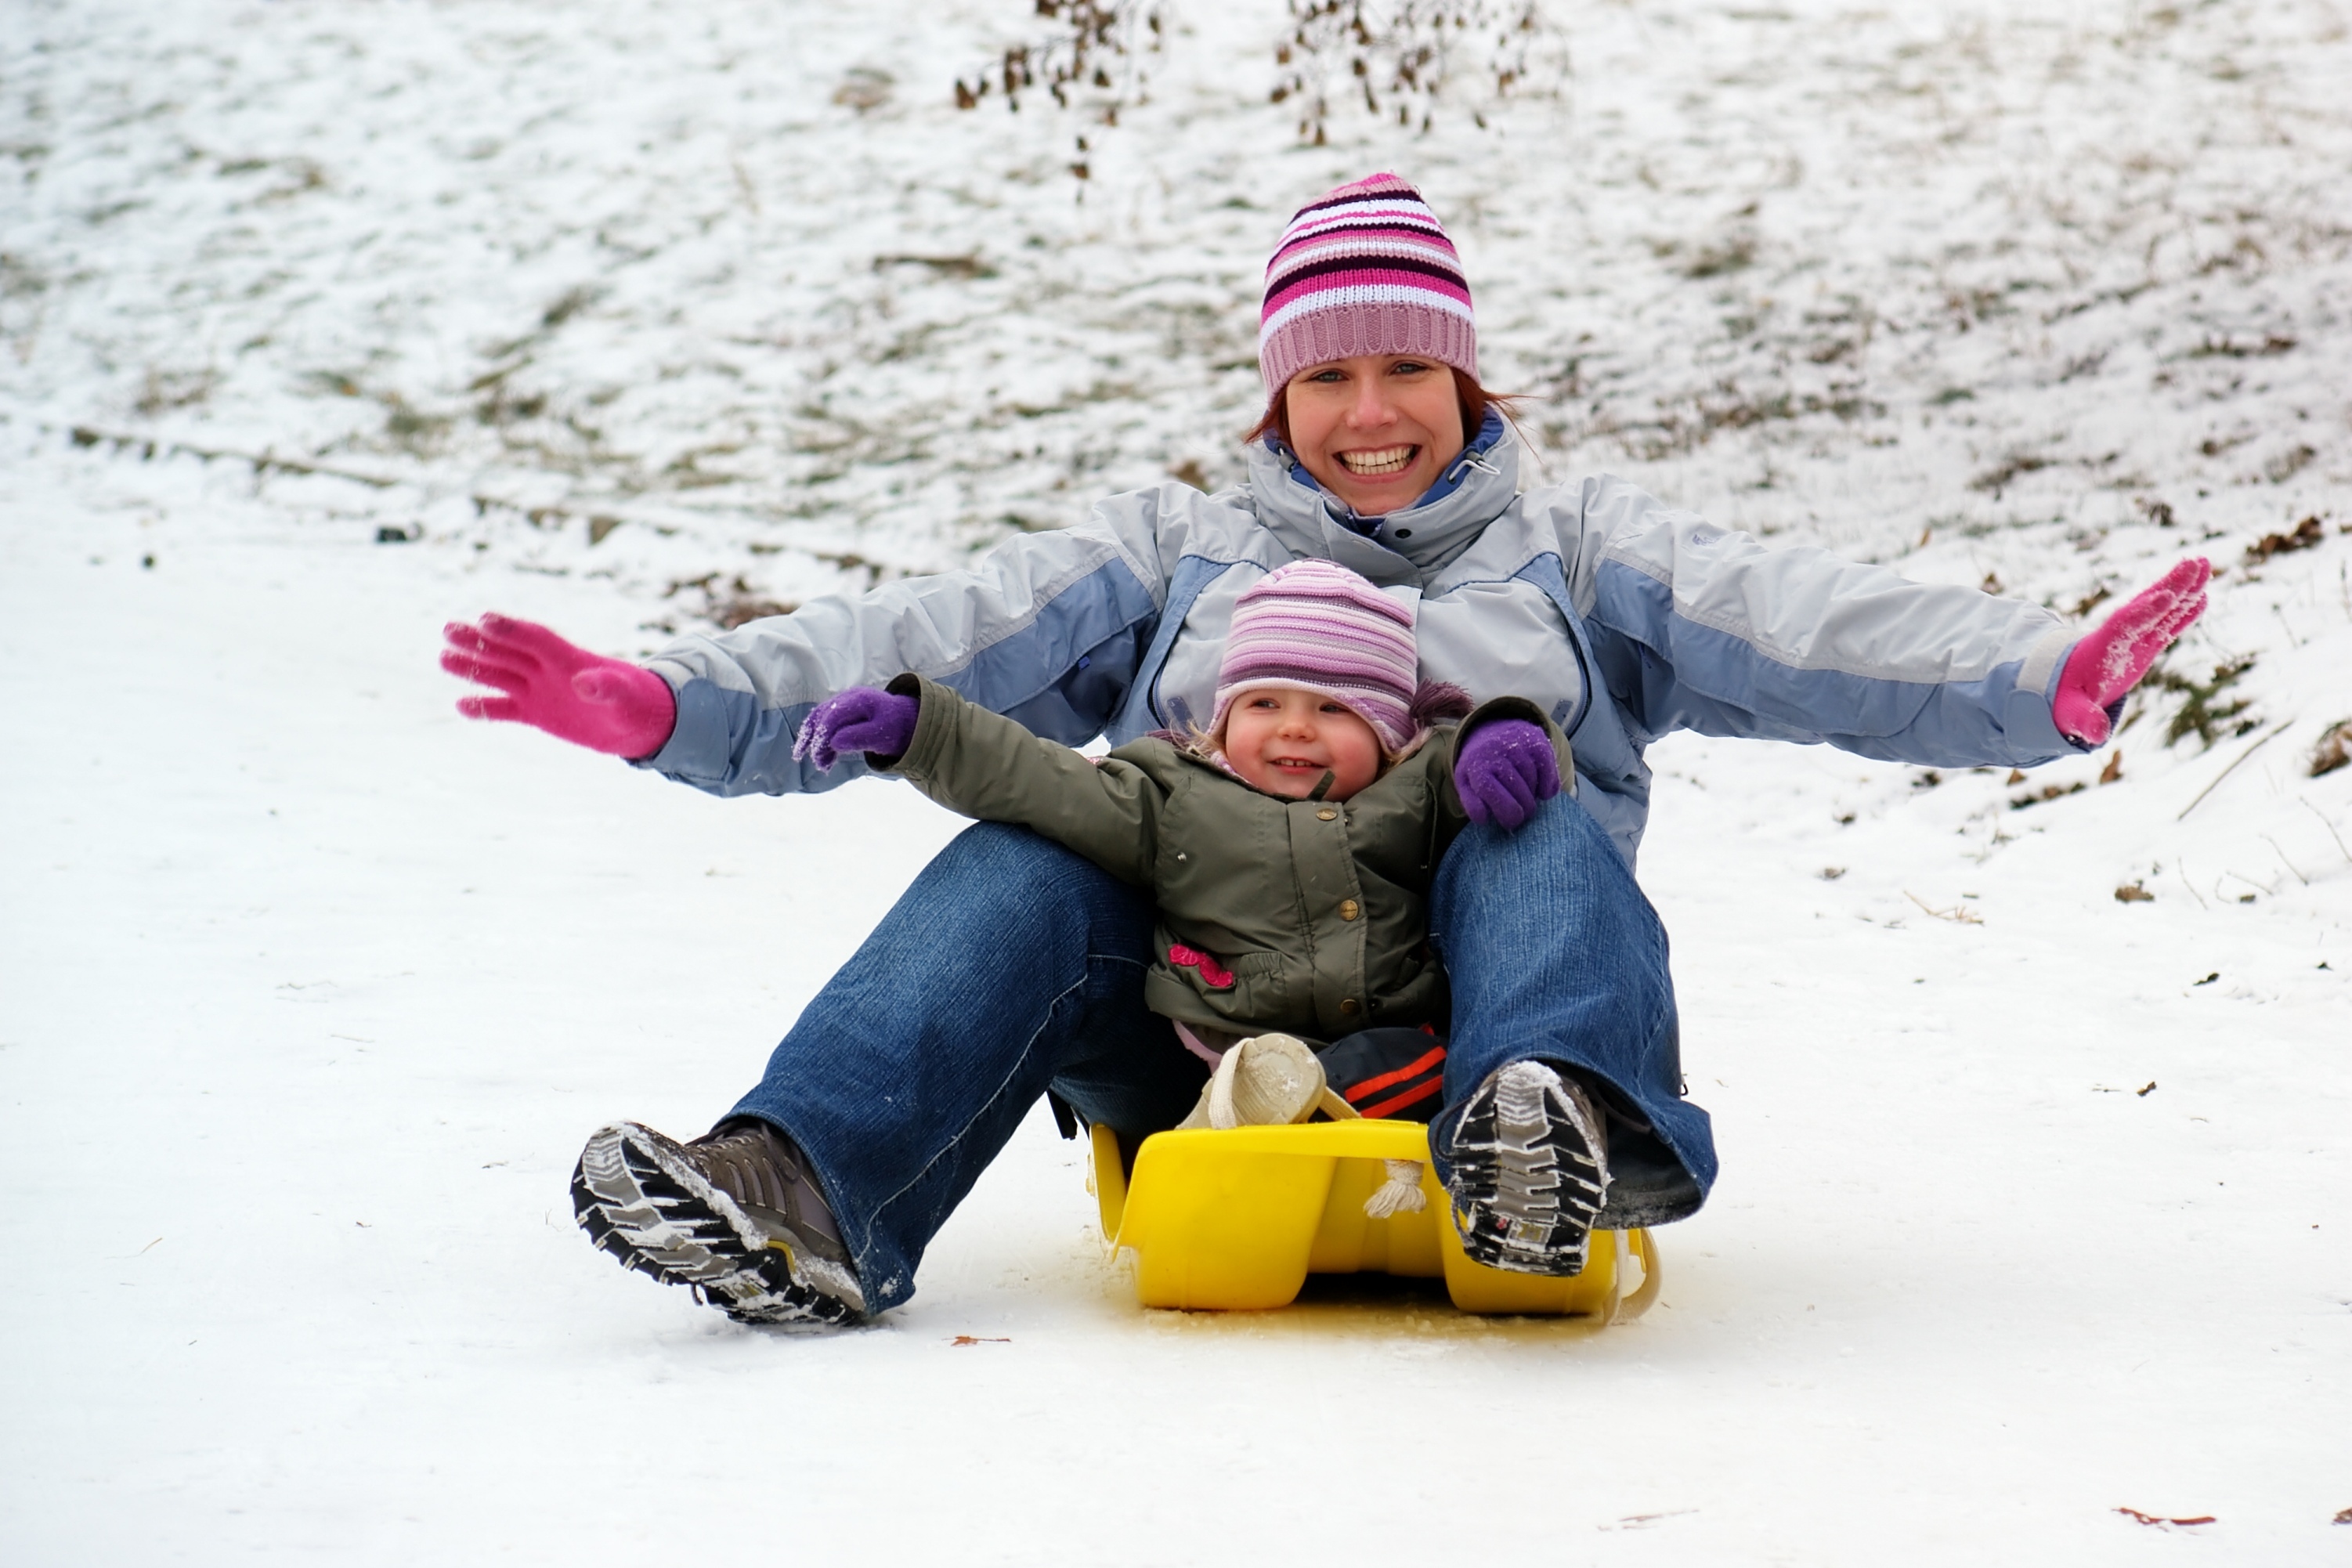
{"x": 1283, "y": 739}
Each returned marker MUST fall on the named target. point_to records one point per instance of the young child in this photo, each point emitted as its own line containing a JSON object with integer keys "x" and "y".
{"x": 1289, "y": 847}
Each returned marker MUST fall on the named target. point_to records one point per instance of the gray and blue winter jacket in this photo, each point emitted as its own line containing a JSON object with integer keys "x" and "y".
{"x": 1621, "y": 617}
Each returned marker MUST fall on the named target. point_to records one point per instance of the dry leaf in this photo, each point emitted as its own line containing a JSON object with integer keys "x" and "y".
{"x": 2305, "y": 535}
{"x": 2334, "y": 750}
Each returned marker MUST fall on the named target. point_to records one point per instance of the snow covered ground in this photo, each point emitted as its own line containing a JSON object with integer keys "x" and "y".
{"x": 623, "y": 318}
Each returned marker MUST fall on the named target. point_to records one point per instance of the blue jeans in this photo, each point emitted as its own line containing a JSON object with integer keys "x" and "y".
{"x": 1013, "y": 966}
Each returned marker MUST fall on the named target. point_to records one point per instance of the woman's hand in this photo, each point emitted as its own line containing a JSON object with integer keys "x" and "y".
{"x": 859, "y": 720}
{"x": 621, "y": 710}
{"x": 2109, "y": 663}
{"x": 1504, "y": 771}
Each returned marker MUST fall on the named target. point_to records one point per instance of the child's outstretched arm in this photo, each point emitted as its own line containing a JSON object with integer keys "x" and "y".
{"x": 984, "y": 765}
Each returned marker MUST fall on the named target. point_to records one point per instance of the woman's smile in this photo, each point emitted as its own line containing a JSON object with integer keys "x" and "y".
{"x": 1381, "y": 461}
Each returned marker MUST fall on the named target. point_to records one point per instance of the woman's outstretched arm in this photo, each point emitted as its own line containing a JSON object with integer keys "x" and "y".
{"x": 1703, "y": 628}
{"x": 1048, "y": 628}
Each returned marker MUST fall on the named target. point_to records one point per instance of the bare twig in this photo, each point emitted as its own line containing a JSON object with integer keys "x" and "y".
{"x": 2159, "y": 1519}
{"x": 2268, "y": 890}
{"x": 1955, "y": 914}
{"x": 2225, "y": 772}
{"x": 2327, "y": 824}
{"x": 2283, "y": 860}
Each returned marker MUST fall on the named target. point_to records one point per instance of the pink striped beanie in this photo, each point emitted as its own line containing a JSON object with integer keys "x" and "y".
{"x": 1364, "y": 268}
{"x": 1315, "y": 624}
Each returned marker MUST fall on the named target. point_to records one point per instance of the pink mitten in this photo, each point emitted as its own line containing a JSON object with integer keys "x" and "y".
{"x": 623, "y": 710}
{"x": 2110, "y": 661}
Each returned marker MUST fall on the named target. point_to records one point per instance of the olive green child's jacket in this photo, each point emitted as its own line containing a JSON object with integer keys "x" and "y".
{"x": 1306, "y": 916}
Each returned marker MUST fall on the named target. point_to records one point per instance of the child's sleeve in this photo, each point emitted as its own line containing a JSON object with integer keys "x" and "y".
{"x": 1436, "y": 759}
{"x": 981, "y": 765}
{"x": 1445, "y": 746}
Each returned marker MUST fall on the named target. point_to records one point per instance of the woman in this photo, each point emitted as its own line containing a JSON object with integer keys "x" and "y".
{"x": 1014, "y": 969}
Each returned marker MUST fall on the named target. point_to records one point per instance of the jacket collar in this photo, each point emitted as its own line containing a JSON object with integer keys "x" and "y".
{"x": 1404, "y": 547}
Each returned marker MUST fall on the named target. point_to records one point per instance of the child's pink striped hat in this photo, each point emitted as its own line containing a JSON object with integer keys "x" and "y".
{"x": 1364, "y": 268}
{"x": 1315, "y": 624}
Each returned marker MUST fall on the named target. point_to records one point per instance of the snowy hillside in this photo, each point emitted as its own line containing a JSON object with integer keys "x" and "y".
{"x": 323, "y": 323}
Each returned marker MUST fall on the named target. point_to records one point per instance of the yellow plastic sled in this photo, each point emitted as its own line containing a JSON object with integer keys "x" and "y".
{"x": 1238, "y": 1219}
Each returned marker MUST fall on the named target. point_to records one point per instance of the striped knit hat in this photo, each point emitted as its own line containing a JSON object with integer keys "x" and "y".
{"x": 1315, "y": 624}
{"x": 1364, "y": 268}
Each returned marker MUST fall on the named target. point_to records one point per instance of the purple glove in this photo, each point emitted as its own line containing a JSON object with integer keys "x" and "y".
{"x": 2110, "y": 661}
{"x": 622, "y": 710}
{"x": 859, "y": 720}
{"x": 1504, "y": 770}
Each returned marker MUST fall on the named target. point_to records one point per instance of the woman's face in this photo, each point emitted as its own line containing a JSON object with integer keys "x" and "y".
{"x": 1375, "y": 430}
{"x": 1283, "y": 739}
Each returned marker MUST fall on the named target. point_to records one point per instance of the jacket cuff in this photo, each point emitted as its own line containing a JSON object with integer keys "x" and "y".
{"x": 934, "y": 718}
{"x": 2033, "y": 716}
{"x": 703, "y": 738}
{"x": 1496, "y": 707}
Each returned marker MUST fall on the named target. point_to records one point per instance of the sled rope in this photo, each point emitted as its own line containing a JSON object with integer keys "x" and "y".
{"x": 1401, "y": 1194}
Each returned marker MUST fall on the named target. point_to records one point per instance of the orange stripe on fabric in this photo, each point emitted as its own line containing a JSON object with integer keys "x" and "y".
{"x": 1414, "y": 1069}
{"x": 1409, "y": 1097}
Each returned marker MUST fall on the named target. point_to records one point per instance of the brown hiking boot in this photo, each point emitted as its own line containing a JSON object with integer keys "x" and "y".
{"x": 734, "y": 1215}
